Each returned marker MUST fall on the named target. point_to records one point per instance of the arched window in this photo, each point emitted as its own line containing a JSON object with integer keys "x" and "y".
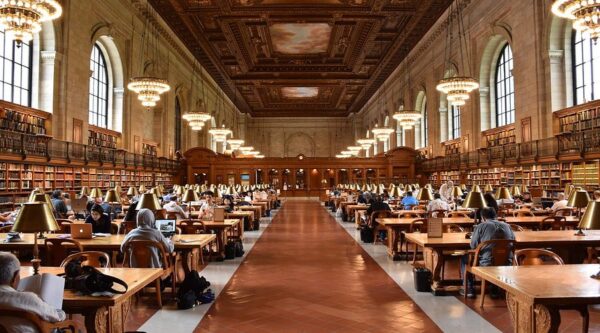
{"x": 425, "y": 125}
{"x": 177, "y": 124}
{"x": 99, "y": 83}
{"x": 15, "y": 71}
{"x": 505, "y": 88}
{"x": 455, "y": 122}
{"x": 586, "y": 68}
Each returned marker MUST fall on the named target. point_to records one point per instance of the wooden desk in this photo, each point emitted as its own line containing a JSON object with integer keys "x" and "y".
{"x": 104, "y": 314}
{"x": 256, "y": 209}
{"x": 221, "y": 236}
{"x": 358, "y": 212}
{"x": 534, "y": 292}
{"x": 401, "y": 212}
{"x": 534, "y": 221}
{"x": 570, "y": 247}
{"x": 343, "y": 205}
{"x": 240, "y": 214}
{"x": 264, "y": 204}
{"x": 184, "y": 244}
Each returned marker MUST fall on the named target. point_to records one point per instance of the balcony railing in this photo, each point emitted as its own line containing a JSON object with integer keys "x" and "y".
{"x": 26, "y": 145}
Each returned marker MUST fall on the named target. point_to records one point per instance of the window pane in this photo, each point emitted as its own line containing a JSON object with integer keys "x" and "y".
{"x": 98, "y": 92}
{"x": 15, "y": 69}
{"x": 586, "y": 68}
{"x": 505, "y": 110}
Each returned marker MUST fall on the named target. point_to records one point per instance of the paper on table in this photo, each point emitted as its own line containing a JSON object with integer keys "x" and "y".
{"x": 50, "y": 288}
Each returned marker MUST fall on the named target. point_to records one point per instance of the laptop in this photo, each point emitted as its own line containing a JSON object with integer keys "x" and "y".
{"x": 166, "y": 227}
{"x": 81, "y": 231}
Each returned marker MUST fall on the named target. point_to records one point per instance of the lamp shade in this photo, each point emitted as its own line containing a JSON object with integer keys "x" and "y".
{"x": 35, "y": 217}
{"x": 132, "y": 191}
{"x": 429, "y": 186}
{"x": 149, "y": 201}
{"x": 190, "y": 195}
{"x": 96, "y": 193}
{"x": 463, "y": 187}
{"x": 489, "y": 188}
{"x": 474, "y": 200}
{"x": 33, "y": 194}
{"x": 156, "y": 192}
{"x": 142, "y": 189}
{"x": 503, "y": 193}
{"x": 568, "y": 189}
{"x": 118, "y": 189}
{"x": 41, "y": 197}
{"x": 591, "y": 217}
{"x": 524, "y": 188}
{"x": 515, "y": 191}
{"x": 457, "y": 191}
{"x": 395, "y": 192}
{"x": 84, "y": 191}
{"x": 112, "y": 196}
{"x": 179, "y": 191}
{"x": 424, "y": 194}
{"x": 578, "y": 199}
{"x": 476, "y": 188}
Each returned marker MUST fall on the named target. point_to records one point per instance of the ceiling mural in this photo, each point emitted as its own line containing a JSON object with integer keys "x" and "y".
{"x": 295, "y": 58}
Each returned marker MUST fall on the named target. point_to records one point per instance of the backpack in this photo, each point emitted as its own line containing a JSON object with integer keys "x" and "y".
{"x": 190, "y": 290}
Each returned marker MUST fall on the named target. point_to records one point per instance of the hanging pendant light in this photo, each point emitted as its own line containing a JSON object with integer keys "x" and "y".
{"x": 365, "y": 143}
{"x": 197, "y": 117}
{"x": 342, "y": 156}
{"x": 407, "y": 118}
{"x": 585, "y": 15}
{"x": 21, "y": 19}
{"x": 220, "y": 134}
{"x": 149, "y": 89}
{"x": 382, "y": 133}
{"x": 357, "y": 149}
{"x": 457, "y": 89}
{"x": 235, "y": 143}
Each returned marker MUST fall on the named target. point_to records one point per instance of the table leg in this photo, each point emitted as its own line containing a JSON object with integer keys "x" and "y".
{"x": 530, "y": 318}
{"x": 220, "y": 244}
{"x": 437, "y": 263}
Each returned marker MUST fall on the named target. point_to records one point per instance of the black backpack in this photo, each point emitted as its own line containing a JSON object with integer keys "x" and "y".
{"x": 190, "y": 290}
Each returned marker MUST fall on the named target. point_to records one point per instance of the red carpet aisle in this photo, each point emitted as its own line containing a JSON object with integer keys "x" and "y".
{"x": 306, "y": 274}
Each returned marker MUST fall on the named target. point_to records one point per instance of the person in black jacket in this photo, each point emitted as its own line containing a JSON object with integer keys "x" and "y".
{"x": 377, "y": 204}
{"x": 100, "y": 222}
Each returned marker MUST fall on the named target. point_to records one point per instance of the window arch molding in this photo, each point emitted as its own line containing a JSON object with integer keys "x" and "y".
{"x": 102, "y": 38}
{"x": 421, "y": 126}
{"x": 445, "y": 108}
{"x": 501, "y": 36}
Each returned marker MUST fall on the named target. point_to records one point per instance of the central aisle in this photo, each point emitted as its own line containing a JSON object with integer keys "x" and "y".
{"x": 306, "y": 274}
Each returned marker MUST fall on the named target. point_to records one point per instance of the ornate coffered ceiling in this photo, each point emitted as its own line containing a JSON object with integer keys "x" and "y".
{"x": 300, "y": 57}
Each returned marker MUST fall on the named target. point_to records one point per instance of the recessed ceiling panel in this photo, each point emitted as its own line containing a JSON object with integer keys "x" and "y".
{"x": 300, "y": 38}
{"x": 300, "y": 92}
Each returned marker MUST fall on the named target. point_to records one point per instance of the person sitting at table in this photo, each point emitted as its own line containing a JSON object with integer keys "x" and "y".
{"x": 58, "y": 203}
{"x": 377, "y": 204}
{"x": 597, "y": 195}
{"x": 5, "y": 217}
{"x": 167, "y": 197}
{"x": 98, "y": 201}
{"x": 10, "y": 298}
{"x": 526, "y": 198}
{"x": 228, "y": 202}
{"x": 505, "y": 201}
{"x": 207, "y": 209}
{"x": 99, "y": 220}
{"x": 408, "y": 201}
{"x": 489, "y": 228}
{"x": 560, "y": 204}
{"x": 173, "y": 207}
{"x": 437, "y": 204}
{"x": 146, "y": 230}
{"x": 446, "y": 190}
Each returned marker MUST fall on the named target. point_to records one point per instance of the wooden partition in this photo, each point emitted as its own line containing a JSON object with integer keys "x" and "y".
{"x": 298, "y": 176}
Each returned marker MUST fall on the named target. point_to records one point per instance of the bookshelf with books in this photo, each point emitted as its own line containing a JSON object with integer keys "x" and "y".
{"x": 20, "y": 119}
{"x": 102, "y": 137}
{"x": 500, "y": 136}
{"x": 577, "y": 126}
{"x": 150, "y": 149}
{"x": 451, "y": 147}
{"x": 586, "y": 175}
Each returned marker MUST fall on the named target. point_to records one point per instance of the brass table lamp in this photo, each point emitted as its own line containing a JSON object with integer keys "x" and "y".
{"x": 190, "y": 195}
{"x": 84, "y": 191}
{"x": 590, "y": 219}
{"x": 476, "y": 188}
{"x": 488, "y": 188}
{"x": 578, "y": 199}
{"x": 503, "y": 193}
{"x": 149, "y": 201}
{"x": 474, "y": 200}
{"x": 96, "y": 193}
{"x": 142, "y": 189}
{"x": 425, "y": 195}
{"x": 515, "y": 191}
{"x": 35, "y": 217}
{"x": 132, "y": 191}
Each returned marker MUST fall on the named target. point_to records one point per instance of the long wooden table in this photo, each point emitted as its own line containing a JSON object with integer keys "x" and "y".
{"x": 220, "y": 229}
{"x": 533, "y": 293}
{"x": 104, "y": 314}
{"x": 564, "y": 242}
{"x": 184, "y": 244}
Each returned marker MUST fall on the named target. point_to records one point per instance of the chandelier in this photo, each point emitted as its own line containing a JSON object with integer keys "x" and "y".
{"x": 245, "y": 149}
{"x": 197, "y": 117}
{"x": 354, "y": 148}
{"x": 252, "y": 153}
{"x": 365, "y": 143}
{"x": 350, "y": 152}
{"x": 382, "y": 133}
{"x": 21, "y": 19}
{"x": 259, "y": 156}
{"x": 196, "y": 125}
{"x": 220, "y": 134}
{"x": 584, "y": 13}
{"x": 149, "y": 89}
{"x": 235, "y": 143}
{"x": 457, "y": 89}
{"x": 407, "y": 118}
{"x": 342, "y": 156}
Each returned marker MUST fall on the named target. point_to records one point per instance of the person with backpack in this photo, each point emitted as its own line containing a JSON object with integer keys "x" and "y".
{"x": 489, "y": 228}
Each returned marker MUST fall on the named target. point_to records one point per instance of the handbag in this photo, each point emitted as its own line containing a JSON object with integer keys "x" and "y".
{"x": 88, "y": 280}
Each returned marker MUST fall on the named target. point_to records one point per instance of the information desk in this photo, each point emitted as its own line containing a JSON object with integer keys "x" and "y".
{"x": 104, "y": 314}
{"x": 535, "y": 293}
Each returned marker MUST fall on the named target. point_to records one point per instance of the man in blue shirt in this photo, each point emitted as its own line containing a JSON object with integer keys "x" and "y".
{"x": 409, "y": 201}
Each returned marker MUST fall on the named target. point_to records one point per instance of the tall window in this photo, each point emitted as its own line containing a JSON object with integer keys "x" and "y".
{"x": 98, "y": 89}
{"x": 425, "y": 125}
{"x": 505, "y": 88}
{"x": 455, "y": 122}
{"x": 586, "y": 68}
{"x": 15, "y": 70}
{"x": 177, "y": 125}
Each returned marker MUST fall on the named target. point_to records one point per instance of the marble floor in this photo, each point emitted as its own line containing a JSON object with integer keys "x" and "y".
{"x": 306, "y": 271}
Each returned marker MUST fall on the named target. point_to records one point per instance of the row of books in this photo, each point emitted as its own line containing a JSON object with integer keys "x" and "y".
{"x": 20, "y": 122}
{"x": 102, "y": 140}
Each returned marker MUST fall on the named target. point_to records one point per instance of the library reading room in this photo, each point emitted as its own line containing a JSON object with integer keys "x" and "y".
{"x": 299, "y": 166}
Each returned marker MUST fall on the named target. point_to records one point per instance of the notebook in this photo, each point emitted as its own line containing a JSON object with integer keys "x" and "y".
{"x": 81, "y": 231}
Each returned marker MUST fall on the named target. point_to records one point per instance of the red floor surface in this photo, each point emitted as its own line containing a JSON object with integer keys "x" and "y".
{"x": 306, "y": 274}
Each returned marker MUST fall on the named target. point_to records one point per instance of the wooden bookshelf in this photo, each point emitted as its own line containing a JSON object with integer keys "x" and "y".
{"x": 150, "y": 148}
{"x": 20, "y": 119}
{"x": 102, "y": 137}
{"x": 586, "y": 175}
{"x": 500, "y": 136}
{"x": 451, "y": 147}
{"x": 578, "y": 125}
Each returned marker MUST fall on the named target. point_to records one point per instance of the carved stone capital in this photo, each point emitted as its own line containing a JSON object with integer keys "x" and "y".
{"x": 556, "y": 56}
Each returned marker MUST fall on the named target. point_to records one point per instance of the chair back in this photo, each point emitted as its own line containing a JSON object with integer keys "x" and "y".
{"x": 126, "y": 226}
{"x": 437, "y": 213}
{"x": 6, "y": 228}
{"x": 454, "y": 228}
{"x": 526, "y": 257}
{"x": 141, "y": 251}
{"x": 564, "y": 212}
{"x": 554, "y": 223}
{"x": 501, "y": 251}
{"x": 88, "y": 258}
{"x": 161, "y": 214}
{"x": 58, "y": 249}
{"x": 172, "y": 216}
{"x": 458, "y": 214}
{"x": 190, "y": 226}
{"x": 522, "y": 212}
{"x": 411, "y": 215}
{"x": 379, "y": 214}
{"x": 515, "y": 227}
{"x": 39, "y": 323}
{"x": 419, "y": 225}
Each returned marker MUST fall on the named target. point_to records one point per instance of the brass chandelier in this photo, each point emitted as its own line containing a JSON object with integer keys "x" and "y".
{"x": 585, "y": 15}
{"x": 235, "y": 144}
{"x": 365, "y": 143}
{"x": 197, "y": 117}
{"x": 382, "y": 133}
{"x": 21, "y": 19}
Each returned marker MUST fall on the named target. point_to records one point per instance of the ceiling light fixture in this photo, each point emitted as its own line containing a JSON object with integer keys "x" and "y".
{"x": 585, "y": 15}
{"x": 235, "y": 143}
{"x": 382, "y": 133}
{"x": 21, "y": 19}
{"x": 197, "y": 117}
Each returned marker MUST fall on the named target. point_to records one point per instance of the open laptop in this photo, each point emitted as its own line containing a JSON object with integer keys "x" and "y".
{"x": 81, "y": 231}
{"x": 166, "y": 227}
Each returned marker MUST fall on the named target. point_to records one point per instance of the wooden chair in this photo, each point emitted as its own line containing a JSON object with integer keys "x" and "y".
{"x": 515, "y": 227}
{"x": 141, "y": 252}
{"x": 65, "y": 225}
{"x": 413, "y": 215}
{"x": 40, "y": 324}
{"x": 554, "y": 223}
{"x": 126, "y": 226}
{"x": 437, "y": 213}
{"x": 526, "y": 257}
{"x": 58, "y": 249}
{"x": 376, "y": 226}
{"x": 458, "y": 214}
{"x": 563, "y": 212}
{"x": 419, "y": 207}
{"x": 89, "y": 258}
{"x": 523, "y": 212}
{"x": 6, "y": 228}
{"x": 502, "y": 253}
{"x": 172, "y": 216}
{"x": 416, "y": 225}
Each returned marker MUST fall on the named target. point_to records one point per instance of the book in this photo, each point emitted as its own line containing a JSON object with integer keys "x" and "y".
{"x": 49, "y": 287}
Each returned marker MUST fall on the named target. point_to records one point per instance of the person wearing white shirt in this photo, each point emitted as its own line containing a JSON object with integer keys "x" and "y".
{"x": 560, "y": 204}
{"x": 10, "y": 298}
{"x": 446, "y": 190}
{"x": 437, "y": 204}
{"x": 173, "y": 207}
{"x": 207, "y": 209}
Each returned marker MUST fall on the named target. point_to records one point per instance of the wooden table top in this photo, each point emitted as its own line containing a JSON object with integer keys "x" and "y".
{"x": 225, "y": 224}
{"x": 546, "y": 284}
{"x": 523, "y": 238}
{"x": 405, "y": 221}
{"x": 536, "y": 219}
{"x": 241, "y": 213}
{"x": 111, "y": 242}
{"x": 406, "y": 211}
{"x": 136, "y": 279}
